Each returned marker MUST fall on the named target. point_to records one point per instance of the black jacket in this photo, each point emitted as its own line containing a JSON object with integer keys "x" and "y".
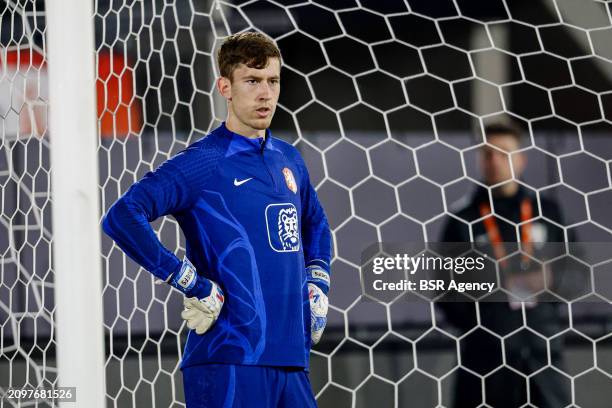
{"x": 525, "y": 351}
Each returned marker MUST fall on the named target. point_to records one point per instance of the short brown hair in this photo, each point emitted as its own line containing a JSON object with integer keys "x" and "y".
{"x": 510, "y": 128}
{"x": 249, "y": 48}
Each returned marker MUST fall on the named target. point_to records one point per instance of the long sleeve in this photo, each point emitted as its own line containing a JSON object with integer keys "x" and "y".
{"x": 315, "y": 228}
{"x": 167, "y": 190}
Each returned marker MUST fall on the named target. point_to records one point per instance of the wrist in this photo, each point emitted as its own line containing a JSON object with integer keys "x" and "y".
{"x": 318, "y": 276}
{"x": 187, "y": 280}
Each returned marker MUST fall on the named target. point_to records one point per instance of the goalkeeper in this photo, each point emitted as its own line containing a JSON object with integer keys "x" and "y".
{"x": 258, "y": 245}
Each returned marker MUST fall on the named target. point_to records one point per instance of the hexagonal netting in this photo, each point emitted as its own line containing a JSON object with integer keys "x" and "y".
{"x": 387, "y": 101}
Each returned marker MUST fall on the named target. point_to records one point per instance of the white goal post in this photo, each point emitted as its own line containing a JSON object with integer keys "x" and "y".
{"x": 74, "y": 181}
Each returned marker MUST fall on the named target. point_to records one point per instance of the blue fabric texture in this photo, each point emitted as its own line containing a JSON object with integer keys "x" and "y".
{"x": 252, "y": 223}
{"x": 235, "y": 386}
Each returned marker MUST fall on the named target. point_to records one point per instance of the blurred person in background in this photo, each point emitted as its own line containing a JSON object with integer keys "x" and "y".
{"x": 508, "y": 214}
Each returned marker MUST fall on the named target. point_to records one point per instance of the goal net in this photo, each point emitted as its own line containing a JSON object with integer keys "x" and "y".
{"x": 387, "y": 101}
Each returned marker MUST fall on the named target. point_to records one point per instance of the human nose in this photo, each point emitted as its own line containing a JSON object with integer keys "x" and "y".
{"x": 499, "y": 158}
{"x": 265, "y": 91}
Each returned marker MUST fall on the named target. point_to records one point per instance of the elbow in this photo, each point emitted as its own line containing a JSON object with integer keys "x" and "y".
{"x": 124, "y": 212}
{"x": 114, "y": 215}
{"x": 106, "y": 221}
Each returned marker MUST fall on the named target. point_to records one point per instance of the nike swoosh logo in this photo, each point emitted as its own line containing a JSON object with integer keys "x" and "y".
{"x": 241, "y": 182}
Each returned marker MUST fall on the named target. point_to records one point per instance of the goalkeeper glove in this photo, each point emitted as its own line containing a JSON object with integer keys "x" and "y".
{"x": 318, "y": 285}
{"x": 200, "y": 314}
{"x": 204, "y": 298}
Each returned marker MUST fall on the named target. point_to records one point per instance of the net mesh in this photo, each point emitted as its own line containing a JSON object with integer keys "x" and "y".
{"x": 26, "y": 300}
{"x": 387, "y": 101}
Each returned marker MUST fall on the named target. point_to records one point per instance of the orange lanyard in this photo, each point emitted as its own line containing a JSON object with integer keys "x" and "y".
{"x": 495, "y": 236}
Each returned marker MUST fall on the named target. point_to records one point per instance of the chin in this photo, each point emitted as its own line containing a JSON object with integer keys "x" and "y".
{"x": 261, "y": 124}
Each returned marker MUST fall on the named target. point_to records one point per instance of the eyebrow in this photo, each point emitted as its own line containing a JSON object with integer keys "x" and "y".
{"x": 259, "y": 77}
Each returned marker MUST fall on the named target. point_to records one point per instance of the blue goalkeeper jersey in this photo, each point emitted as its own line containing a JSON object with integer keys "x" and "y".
{"x": 252, "y": 223}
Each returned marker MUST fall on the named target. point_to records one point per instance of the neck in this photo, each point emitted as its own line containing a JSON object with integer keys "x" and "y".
{"x": 234, "y": 125}
{"x": 506, "y": 190}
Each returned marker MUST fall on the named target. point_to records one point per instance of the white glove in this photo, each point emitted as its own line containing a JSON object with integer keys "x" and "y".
{"x": 200, "y": 314}
{"x": 318, "y": 312}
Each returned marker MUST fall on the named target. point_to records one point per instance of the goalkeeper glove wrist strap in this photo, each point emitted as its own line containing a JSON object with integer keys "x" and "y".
{"x": 318, "y": 274}
{"x": 186, "y": 280}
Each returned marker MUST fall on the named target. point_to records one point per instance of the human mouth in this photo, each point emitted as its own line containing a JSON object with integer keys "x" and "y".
{"x": 263, "y": 112}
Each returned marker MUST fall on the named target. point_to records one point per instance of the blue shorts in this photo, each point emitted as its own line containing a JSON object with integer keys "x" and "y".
{"x": 242, "y": 386}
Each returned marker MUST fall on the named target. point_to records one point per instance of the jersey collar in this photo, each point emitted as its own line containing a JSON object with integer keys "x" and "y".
{"x": 239, "y": 143}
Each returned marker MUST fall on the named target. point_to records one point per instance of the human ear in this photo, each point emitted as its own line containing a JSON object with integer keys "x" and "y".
{"x": 224, "y": 86}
